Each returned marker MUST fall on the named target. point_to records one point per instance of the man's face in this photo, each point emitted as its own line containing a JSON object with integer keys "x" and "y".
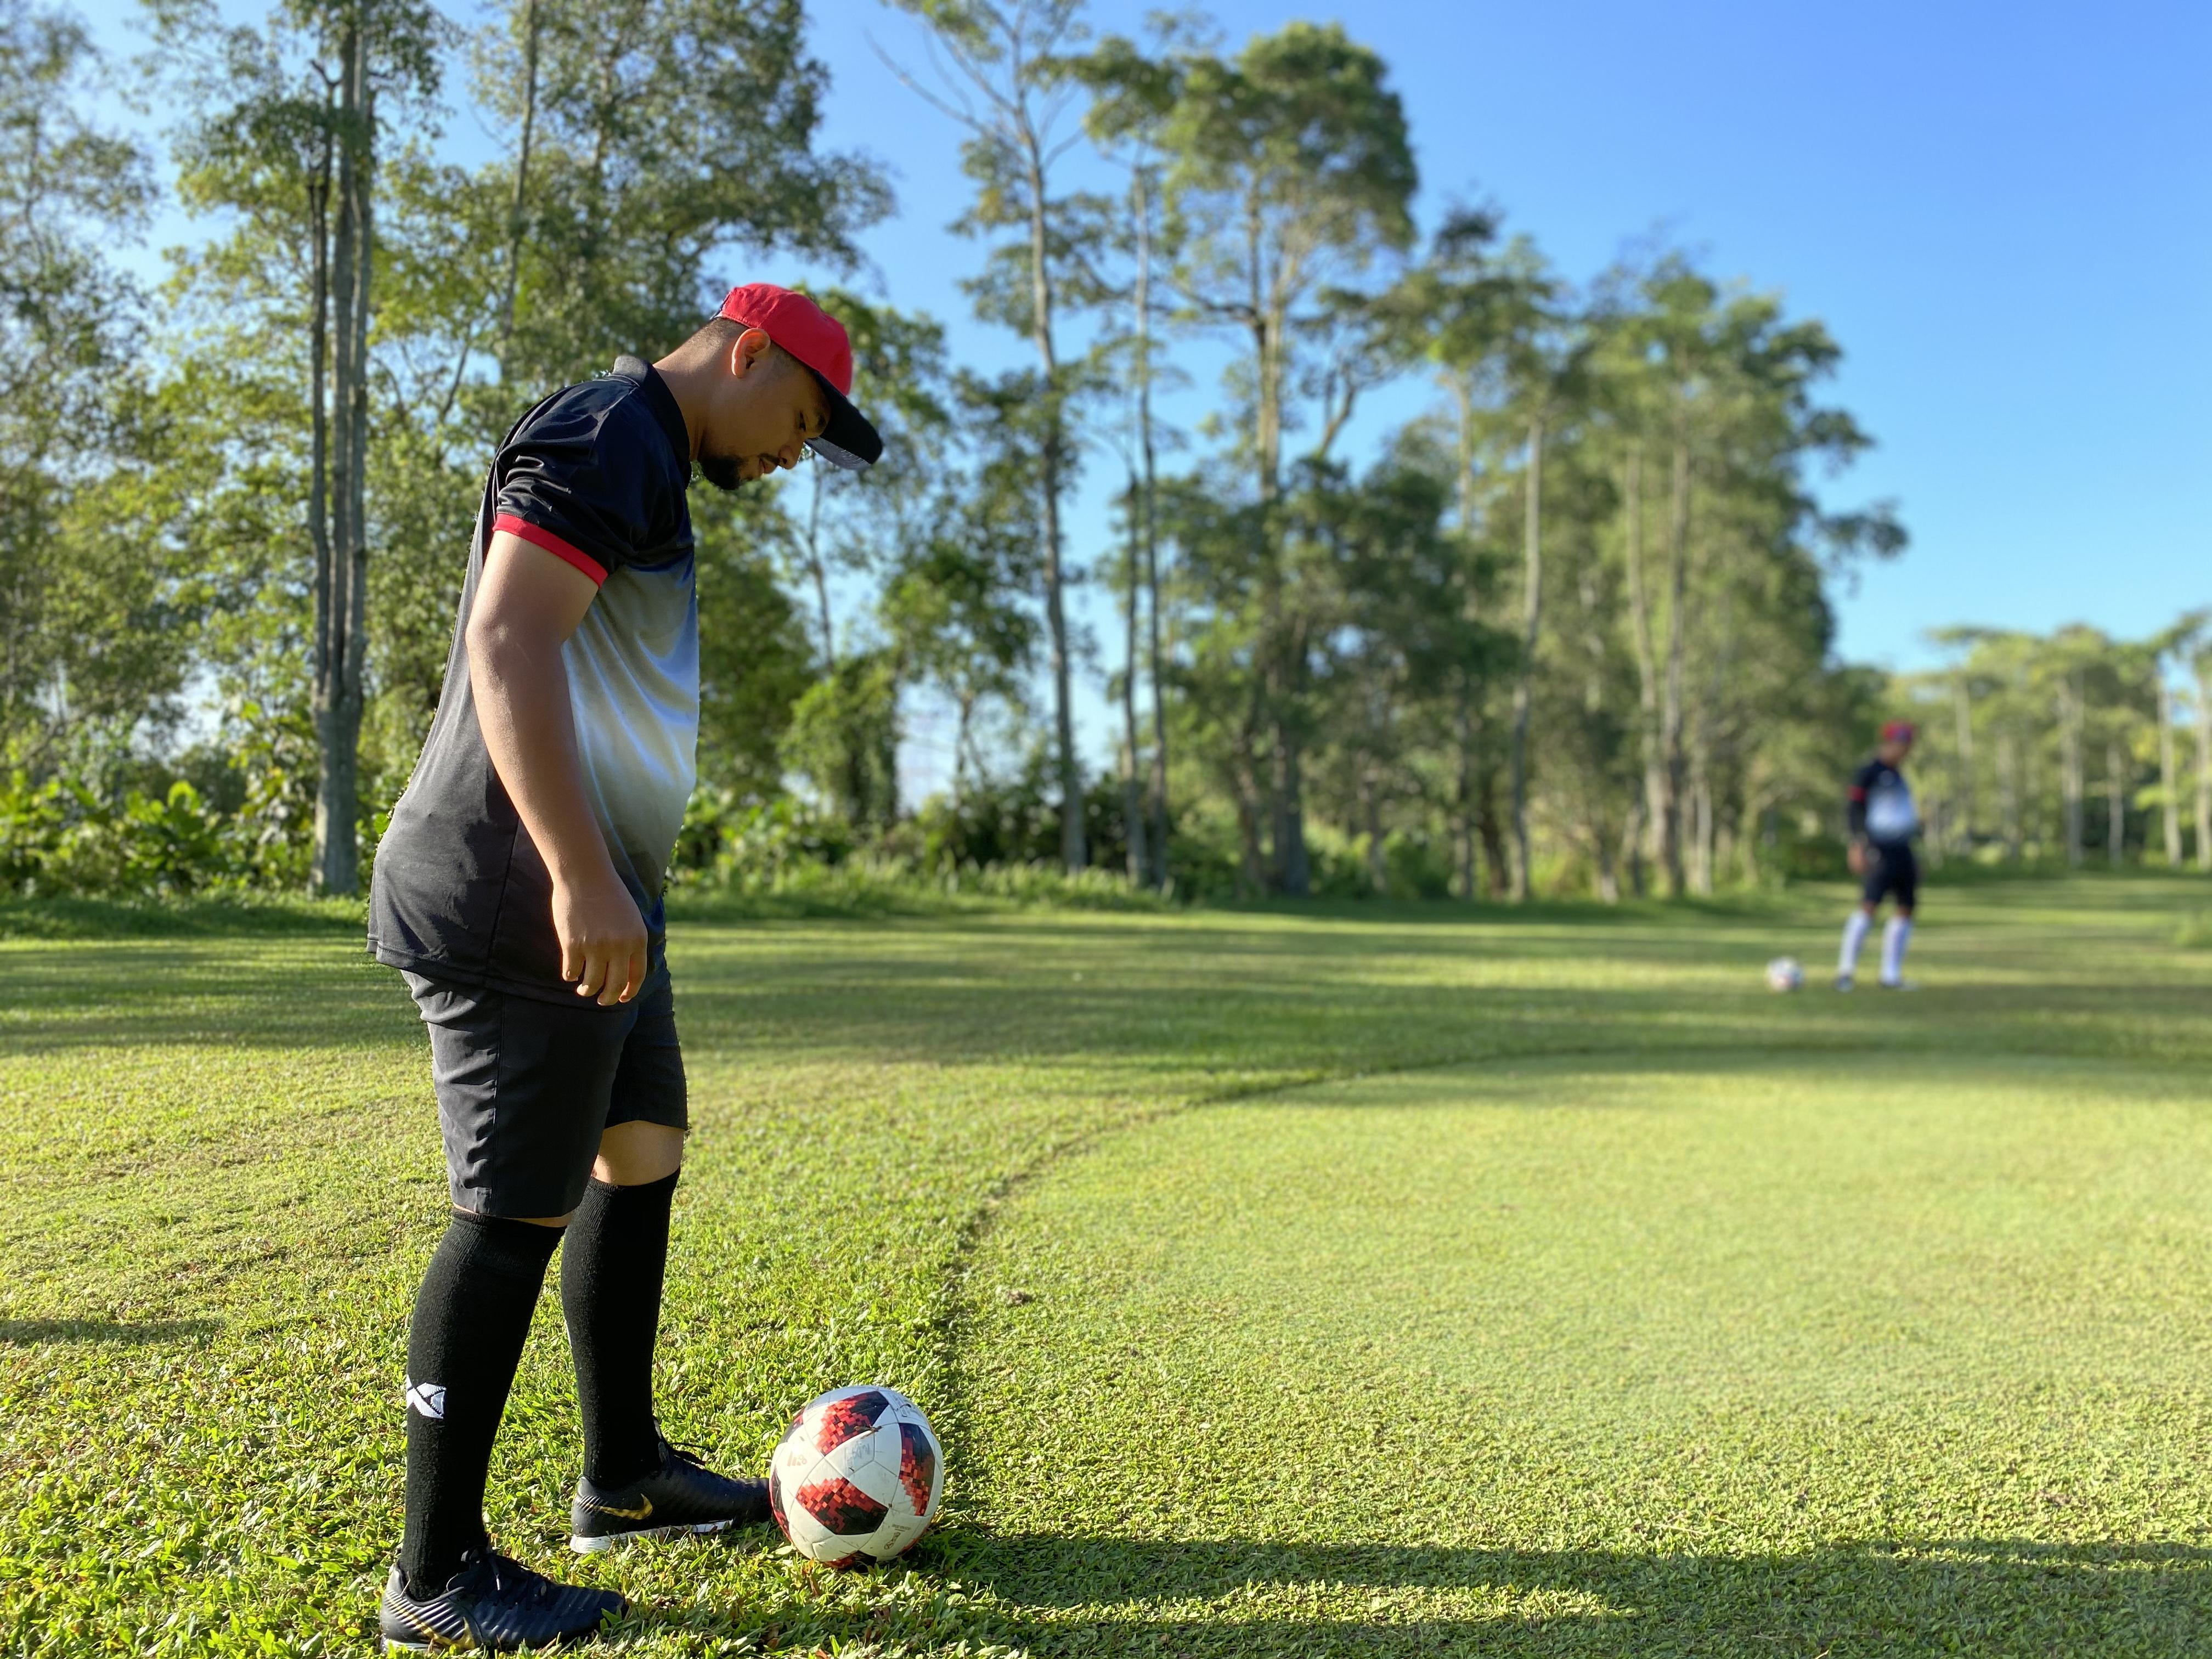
{"x": 1894, "y": 749}
{"x": 769, "y": 406}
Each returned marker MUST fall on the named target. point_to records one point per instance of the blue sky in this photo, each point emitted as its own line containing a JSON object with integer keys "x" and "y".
{"x": 2003, "y": 211}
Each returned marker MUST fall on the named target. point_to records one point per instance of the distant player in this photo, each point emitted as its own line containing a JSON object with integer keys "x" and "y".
{"x": 519, "y": 890}
{"x": 1883, "y": 821}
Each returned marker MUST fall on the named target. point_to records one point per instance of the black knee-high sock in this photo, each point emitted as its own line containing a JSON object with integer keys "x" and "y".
{"x": 470, "y": 1317}
{"x": 610, "y": 1274}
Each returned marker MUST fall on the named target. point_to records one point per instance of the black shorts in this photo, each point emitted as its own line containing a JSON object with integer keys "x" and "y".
{"x": 1891, "y": 872}
{"x": 525, "y": 1086}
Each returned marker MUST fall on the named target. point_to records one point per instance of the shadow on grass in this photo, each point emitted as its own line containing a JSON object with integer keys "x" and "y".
{"x": 28, "y": 1333}
{"x": 1055, "y": 1595}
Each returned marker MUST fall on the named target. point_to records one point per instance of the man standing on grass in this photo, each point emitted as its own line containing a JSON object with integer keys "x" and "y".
{"x": 519, "y": 890}
{"x": 1883, "y": 821}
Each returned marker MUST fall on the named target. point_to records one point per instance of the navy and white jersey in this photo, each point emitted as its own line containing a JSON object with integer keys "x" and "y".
{"x": 1880, "y": 805}
{"x": 596, "y": 476}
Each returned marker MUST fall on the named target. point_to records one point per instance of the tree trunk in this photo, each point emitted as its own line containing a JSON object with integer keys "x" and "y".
{"x": 815, "y": 569}
{"x": 1132, "y": 791}
{"x": 1631, "y": 846}
{"x": 1700, "y": 805}
{"x": 1462, "y": 816}
{"x": 1962, "y": 706}
{"x": 1074, "y": 854}
{"x": 1655, "y": 805}
{"x": 2008, "y": 794}
{"x": 964, "y": 702}
{"x": 1159, "y": 802}
{"x": 318, "y": 418}
{"x": 336, "y": 695}
{"x": 1532, "y": 603}
{"x": 1491, "y": 829}
{"x": 1371, "y": 813}
{"x": 2116, "y": 804}
{"x": 1464, "y": 713}
{"x": 530, "y": 29}
{"x": 1670, "y": 713}
{"x": 2169, "y": 780}
{"x": 2204, "y": 766}
{"x": 2070, "y": 771}
{"x": 1293, "y": 867}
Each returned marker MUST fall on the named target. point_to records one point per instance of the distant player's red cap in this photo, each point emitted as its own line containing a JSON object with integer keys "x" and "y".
{"x": 817, "y": 340}
{"x": 1897, "y": 732}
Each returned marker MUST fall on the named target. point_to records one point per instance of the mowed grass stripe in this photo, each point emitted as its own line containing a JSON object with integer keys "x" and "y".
{"x": 1615, "y": 1357}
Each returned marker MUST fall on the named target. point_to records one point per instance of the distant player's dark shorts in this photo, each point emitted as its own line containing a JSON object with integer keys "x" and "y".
{"x": 1891, "y": 872}
{"x": 525, "y": 1086}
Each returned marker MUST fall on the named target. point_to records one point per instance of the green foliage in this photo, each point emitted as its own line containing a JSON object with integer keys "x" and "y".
{"x": 84, "y": 640}
{"x": 843, "y": 738}
{"x": 60, "y": 838}
{"x": 614, "y": 238}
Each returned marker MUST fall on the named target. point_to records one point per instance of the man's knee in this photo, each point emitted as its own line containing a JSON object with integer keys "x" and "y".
{"x": 637, "y": 1153}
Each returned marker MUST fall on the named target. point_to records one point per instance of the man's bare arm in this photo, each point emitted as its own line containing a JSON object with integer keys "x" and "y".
{"x": 527, "y": 604}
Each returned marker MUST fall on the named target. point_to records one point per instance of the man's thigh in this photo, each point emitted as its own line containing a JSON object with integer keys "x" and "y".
{"x": 1893, "y": 873}
{"x": 523, "y": 1087}
{"x": 648, "y": 1083}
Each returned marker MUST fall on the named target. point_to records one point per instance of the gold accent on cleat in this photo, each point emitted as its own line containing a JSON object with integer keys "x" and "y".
{"x": 644, "y": 1509}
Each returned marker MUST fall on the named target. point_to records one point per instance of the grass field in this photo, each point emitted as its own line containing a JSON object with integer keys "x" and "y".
{"x": 1376, "y": 1281}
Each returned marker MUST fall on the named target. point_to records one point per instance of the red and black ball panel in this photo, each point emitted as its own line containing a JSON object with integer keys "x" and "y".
{"x": 844, "y": 1418}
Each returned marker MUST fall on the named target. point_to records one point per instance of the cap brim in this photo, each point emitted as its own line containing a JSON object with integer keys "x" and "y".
{"x": 849, "y": 441}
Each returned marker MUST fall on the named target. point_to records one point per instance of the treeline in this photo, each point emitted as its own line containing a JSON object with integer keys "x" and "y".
{"x": 2070, "y": 746}
{"x": 1568, "y": 631}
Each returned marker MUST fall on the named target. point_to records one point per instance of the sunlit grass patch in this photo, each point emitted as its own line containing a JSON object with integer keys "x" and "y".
{"x": 1581, "y": 1296}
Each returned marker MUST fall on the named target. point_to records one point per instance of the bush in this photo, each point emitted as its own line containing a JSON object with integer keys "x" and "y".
{"x": 60, "y": 837}
{"x": 238, "y": 817}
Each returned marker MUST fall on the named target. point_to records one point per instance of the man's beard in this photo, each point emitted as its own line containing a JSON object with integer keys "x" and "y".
{"x": 725, "y": 472}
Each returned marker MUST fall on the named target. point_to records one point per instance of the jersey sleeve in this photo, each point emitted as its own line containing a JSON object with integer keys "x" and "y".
{"x": 571, "y": 481}
{"x": 1855, "y": 800}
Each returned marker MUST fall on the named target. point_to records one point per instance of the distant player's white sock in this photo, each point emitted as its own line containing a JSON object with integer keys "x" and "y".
{"x": 1895, "y": 938}
{"x": 1855, "y": 932}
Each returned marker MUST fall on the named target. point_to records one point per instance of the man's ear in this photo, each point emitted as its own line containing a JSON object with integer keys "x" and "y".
{"x": 747, "y": 349}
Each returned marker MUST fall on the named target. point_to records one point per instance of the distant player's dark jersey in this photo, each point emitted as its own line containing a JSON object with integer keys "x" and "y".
{"x": 596, "y": 476}
{"x": 1880, "y": 805}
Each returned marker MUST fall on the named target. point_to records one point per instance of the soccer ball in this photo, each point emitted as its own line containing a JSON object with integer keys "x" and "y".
{"x": 1782, "y": 974}
{"x": 857, "y": 1477}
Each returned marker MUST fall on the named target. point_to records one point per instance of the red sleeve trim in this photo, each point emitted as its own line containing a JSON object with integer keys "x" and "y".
{"x": 526, "y": 531}
{"x": 1857, "y": 793}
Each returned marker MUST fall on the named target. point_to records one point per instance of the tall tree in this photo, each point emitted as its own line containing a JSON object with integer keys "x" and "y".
{"x": 651, "y": 141}
{"x": 1455, "y": 310}
{"x": 1134, "y": 94}
{"x": 1293, "y": 173}
{"x": 1003, "y": 79}
{"x": 287, "y": 126}
{"x": 84, "y": 639}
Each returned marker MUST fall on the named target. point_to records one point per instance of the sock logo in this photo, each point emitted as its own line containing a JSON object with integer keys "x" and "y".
{"x": 429, "y": 1399}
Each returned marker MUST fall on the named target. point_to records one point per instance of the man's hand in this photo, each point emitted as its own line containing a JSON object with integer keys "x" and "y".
{"x": 1856, "y": 856}
{"x": 602, "y": 939}
{"x": 527, "y": 603}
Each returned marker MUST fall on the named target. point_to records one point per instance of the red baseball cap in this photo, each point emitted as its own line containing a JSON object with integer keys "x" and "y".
{"x": 817, "y": 340}
{"x": 1897, "y": 732}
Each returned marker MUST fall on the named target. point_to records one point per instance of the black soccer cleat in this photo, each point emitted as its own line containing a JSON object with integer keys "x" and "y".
{"x": 680, "y": 1499}
{"x": 495, "y": 1604}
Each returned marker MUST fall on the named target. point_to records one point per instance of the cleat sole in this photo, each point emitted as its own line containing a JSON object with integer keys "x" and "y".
{"x": 605, "y": 1541}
